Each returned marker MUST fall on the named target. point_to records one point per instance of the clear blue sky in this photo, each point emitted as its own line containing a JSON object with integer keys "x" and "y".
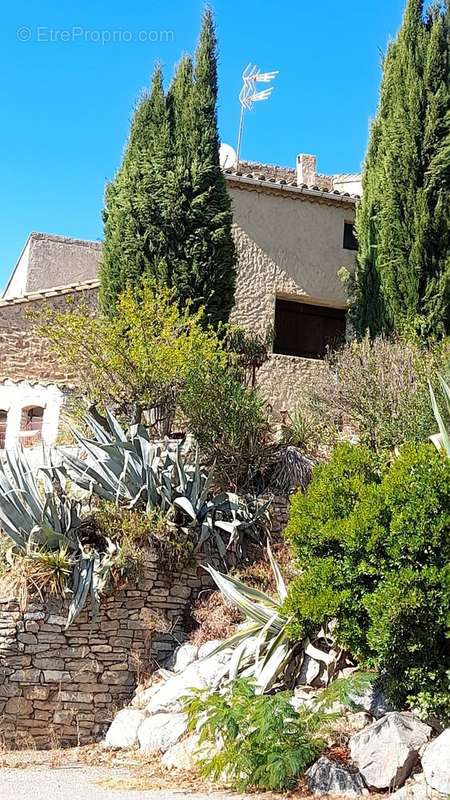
{"x": 66, "y": 96}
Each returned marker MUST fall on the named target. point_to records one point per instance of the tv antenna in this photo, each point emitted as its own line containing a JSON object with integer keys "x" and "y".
{"x": 249, "y": 95}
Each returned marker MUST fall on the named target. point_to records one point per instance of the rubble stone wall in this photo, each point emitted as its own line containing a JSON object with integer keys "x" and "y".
{"x": 59, "y": 685}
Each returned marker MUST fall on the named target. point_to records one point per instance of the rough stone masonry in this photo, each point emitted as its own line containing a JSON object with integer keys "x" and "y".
{"x": 63, "y": 686}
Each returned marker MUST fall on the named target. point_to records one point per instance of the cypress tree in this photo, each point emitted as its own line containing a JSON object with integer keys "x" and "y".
{"x": 402, "y": 277}
{"x": 168, "y": 214}
{"x": 210, "y": 247}
{"x": 133, "y": 224}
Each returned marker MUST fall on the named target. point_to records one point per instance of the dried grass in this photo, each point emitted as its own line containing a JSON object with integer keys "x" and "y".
{"x": 215, "y": 618}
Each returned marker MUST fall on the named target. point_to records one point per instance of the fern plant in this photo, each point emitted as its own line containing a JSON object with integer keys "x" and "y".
{"x": 264, "y": 743}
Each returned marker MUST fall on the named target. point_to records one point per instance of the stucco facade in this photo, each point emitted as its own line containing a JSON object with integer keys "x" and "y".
{"x": 289, "y": 235}
{"x": 289, "y": 246}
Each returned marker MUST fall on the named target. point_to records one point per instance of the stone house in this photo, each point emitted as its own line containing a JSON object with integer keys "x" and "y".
{"x": 293, "y": 230}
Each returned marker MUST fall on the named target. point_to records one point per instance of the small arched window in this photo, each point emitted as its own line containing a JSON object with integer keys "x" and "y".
{"x": 31, "y": 426}
{"x": 3, "y": 421}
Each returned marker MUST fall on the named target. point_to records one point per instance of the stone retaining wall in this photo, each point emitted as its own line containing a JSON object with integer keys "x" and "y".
{"x": 60, "y": 685}
{"x": 64, "y": 686}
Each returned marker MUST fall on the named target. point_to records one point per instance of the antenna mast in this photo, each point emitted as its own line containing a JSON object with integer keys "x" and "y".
{"x": 248, "y": 95}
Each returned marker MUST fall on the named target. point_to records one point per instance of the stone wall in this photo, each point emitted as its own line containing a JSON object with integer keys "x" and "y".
{"x": 60, "y": 685}
{"x": 64, "y": 686}
{"x": 23, "y": 354}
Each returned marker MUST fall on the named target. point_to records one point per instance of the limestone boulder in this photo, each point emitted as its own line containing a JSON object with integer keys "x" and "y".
{"x": 199, "y": 675}
{"x": 184, "y": 655}
{"x": 436, "y": 763}
{"x": 328, "y": 777}
{"x": 207, "y": 648}
{"x": 124, "y": 728}
{"x": 386, "y": 751}
{"x": 161, "y": 731}
{"x": 416, "y": 789}
{"x": 142, "y": 696}
{"x": 182, "y": 755}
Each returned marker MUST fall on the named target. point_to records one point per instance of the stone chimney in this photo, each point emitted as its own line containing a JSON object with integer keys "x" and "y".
{"x": 306, "y": 169}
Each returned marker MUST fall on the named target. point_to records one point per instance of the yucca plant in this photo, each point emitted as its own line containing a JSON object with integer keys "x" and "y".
{"x": 262, "y": 648}
{"x": 442, "y": 439}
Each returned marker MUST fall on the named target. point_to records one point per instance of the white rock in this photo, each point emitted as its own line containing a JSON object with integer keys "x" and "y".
{"x": 327, "y": 777}
{"x": 158, "y": 733}
{"x": 386, "y": 752}
{"x": 436, "y": 763}
{"x": 416, "y": 789}
{"x": 207, "y": 648}
{"x": 199, "y": 675}
{"x": 350, "y": 723}
{"x": 184, "y": 655}
{"x": 143, "y": 696}
{"x": 182, "y": 754}
{"x": 124, "y": 728}
{"x": 372, "y": 701}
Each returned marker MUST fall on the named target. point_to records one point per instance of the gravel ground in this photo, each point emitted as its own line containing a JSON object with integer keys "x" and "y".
{"x": 81, "y": 783}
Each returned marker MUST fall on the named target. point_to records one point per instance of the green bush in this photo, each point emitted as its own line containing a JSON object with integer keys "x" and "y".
{"x": 266, "y": 743}
{"x": 229, "y": 421}
{"x": 371, "y": 539}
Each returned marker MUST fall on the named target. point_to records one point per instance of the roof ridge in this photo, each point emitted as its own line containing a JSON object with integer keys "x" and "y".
{"x": 250, "y": 178}
{"x": 67, "y": 288}
{"x": 57, "y": 237}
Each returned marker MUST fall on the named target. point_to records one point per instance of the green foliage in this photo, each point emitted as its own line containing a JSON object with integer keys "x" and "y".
{"x": 371, "y": 539}
{"x": 250, "y": 349}
{"x": 402, "y": 280}
{"x": 134, "y": 472}
{"x": 138, "y": 358}
{"x": 266, "y": 744}
{"x": 133, "y": 530}
{"x": 50, "y": 539}
{"x": 302, "y": 430}
{"x": 229, "y": 421}
{"x": 167, "y": 214}
{"x": 381, "y": 388}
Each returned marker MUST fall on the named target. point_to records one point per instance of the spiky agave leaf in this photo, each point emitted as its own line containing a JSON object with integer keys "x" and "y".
{"x": 135, "y": 472}
{"x": 261, "y": 646}
{"x": 441, "y": 440}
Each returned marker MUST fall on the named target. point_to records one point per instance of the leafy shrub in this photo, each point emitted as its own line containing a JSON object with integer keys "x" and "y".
{"x": 266, "y": 743}
{"x": 229, "y": 421}
{"x": 136, "y": 359}
{"x": 380, "y": 387}
{"x": 371, "y": 540}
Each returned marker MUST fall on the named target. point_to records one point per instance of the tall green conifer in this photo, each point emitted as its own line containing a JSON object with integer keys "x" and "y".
{"x": 167, "y": 213}
{"x": 402, "y": 279}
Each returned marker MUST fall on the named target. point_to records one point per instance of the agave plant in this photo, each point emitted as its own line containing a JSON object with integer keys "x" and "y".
{"x": 48, "y": 533}
{"x": 131, "y": 470}
{"x": 28, "y": 513}
{"x": 442, "y": 439}
{"x": 261, "y": 647}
